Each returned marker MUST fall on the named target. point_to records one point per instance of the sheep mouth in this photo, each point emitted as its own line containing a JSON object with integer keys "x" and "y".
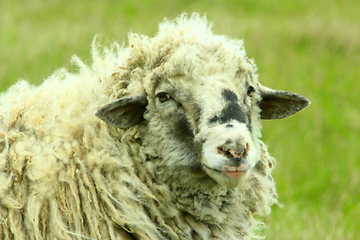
{"x": 235, "y": 174}
{"x": 227, "y": 176}
{"x": 231, "y": 172}
{"x": 230, "y": 179}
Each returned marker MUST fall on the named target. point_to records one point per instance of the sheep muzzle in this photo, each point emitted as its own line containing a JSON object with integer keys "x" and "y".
{"x": 228, "y": 153}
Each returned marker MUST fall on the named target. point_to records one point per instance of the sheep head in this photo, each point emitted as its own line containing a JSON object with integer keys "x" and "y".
{"x": 200, "y": 104}
{"x": 207, "y": 127}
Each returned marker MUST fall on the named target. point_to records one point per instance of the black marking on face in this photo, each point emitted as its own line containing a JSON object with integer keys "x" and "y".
{"x": 183, "y": 130}
{"x": 232, "y": 110}
{"x": 189, "y": 149}
{"x": 248, "y": 125}
{"x": 229, "y": 96}
{"x": 198, "y": 113}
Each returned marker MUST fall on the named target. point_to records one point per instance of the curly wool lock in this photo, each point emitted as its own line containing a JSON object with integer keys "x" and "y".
{"x": 166, "y": 162}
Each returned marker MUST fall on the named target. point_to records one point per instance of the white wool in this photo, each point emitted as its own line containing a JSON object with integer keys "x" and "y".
{"x": 65, "y": 174}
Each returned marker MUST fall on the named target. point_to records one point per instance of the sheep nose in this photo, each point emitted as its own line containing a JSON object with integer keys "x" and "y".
{"x": 234, "y": 152}
{"x": 237, "y": 153}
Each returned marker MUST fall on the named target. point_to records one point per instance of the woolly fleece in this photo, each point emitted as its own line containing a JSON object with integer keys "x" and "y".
{"x": 65, "y": 174}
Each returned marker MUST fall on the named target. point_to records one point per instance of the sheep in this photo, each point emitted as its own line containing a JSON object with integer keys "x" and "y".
{"x": 157, "y": 140}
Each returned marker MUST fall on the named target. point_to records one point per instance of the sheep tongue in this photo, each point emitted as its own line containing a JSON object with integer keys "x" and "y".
{"x": 234, "y": 174}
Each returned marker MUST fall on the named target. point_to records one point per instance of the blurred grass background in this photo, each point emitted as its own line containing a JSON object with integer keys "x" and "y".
{"x": 309, "y": 47}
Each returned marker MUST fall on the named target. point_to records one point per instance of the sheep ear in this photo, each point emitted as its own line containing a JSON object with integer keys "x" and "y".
{"x": 276, "y": 104}
{"x": 124, "y": 112}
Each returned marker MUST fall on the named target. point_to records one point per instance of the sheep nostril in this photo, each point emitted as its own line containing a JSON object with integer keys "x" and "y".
{"x": 235, "y": 153}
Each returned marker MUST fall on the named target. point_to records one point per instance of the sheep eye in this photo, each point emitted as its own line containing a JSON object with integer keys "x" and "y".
{"x": 163, "y": 97}
{"x": 250, "y": 90}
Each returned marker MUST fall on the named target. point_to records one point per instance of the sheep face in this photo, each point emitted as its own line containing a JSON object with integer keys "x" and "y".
{"x": 205, "y": 130}
{"x": 206, "y": 125}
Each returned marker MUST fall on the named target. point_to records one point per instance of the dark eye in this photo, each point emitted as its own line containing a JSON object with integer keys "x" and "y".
{"x": 250, "y": 90}
{"x": 163, "y": 97}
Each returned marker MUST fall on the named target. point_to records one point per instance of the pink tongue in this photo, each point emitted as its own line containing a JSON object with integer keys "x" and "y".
{"x": 234, "y": 174}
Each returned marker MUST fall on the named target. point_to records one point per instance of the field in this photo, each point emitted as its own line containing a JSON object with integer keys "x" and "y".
{"x": 309, "y": 47}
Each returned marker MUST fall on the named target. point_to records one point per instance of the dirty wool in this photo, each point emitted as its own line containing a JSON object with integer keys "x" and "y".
{"x": 66, "y": 173}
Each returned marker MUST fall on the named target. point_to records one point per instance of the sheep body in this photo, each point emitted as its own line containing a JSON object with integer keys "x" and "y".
{"x": 67, "y": 175}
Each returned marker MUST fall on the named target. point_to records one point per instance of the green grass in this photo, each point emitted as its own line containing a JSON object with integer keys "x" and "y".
{"x": 310, "y": 47}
